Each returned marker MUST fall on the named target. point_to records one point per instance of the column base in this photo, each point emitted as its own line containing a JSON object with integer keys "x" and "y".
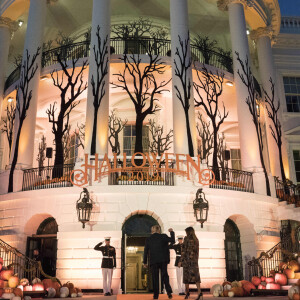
{"x": 18, "y": 181}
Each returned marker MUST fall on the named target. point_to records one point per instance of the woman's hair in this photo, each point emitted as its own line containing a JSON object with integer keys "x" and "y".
{"x": 155, "y": 229}
{"x": 190, "y": 232}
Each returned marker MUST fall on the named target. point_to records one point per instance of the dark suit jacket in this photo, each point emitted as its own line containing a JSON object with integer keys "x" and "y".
{"x": 157, "y": 245}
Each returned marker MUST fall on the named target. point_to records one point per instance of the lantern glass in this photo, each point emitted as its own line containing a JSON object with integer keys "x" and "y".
{"x": 84, "y": 208}
{"x": 200, "y": 207}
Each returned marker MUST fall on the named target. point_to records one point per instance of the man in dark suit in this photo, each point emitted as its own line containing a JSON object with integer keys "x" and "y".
{"x": 157, "y": 246}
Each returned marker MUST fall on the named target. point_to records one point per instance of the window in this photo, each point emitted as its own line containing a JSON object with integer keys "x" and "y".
{"x": 72, "y": 150}
{"x": 292, "y": 93}
{"x": 129, "y": 134}
{"x": 297, "y": 164}
{"x": 236, "y": 162}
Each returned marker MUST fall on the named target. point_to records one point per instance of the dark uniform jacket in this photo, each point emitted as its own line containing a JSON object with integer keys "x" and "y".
{"x": 109, "y": 256}
{"x": 178, "y": 250}
{"x": 157, "y": 245}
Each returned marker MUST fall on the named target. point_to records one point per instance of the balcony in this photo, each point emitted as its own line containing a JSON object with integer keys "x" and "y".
{"x": 287, "y": 191}
{"x": 121, "y": 46}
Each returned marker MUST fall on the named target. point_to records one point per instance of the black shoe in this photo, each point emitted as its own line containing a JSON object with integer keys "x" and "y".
{"x": 170, "y": 296}
{"x": 181, "y": 294}
{"x": 155, "y": 297}
{"x": 187, "y": 296}
{"x": 106, "y": 294}
{"x": 199, "y": 296}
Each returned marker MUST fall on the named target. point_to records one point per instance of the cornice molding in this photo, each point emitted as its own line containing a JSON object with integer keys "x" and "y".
{"x": 223, "y": 4}
{"x": 9, "y": 23}
{"x": 262, "y": 32}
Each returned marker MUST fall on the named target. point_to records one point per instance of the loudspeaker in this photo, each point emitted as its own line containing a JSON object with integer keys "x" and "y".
{"x": 227, "y": 155}
{"x": 49, "y": 151}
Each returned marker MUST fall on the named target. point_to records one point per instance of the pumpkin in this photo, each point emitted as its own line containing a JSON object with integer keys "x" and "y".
{"x": 16, "y": 298}
{"x": 27, "y": 288}
{"x": 236, "y": 284}
{"x": 47, "y": 283}
{"x": 281, "y": 279}
{"x": 1, "y": 292}
{"x": 1, "y": 283}
{"x": 255, "y": 280}
{"x": 293, "y": 290}
{"x": 64, "y": 291}
{"x": 216, "y": 288}
{"x": 24, "y": 281}
{"x": 247, "y": 286}
{"x": 69, "y": 285}
{"x": 270, "y": 280}
{"x": 36, "y": 280}
{"x": 6, "y": 274}
{"x": 238, "y": 291}
{"x": 296, "y": 297}
{"x": 297, "y": 275}
{"x": 18, "y": 292}
{"x": 230, "y": 294}
{"x": 263, "y": 278}
{"x": 8, "y": 290}
{"x": 272, "y": 273}
{"x": 262, "y": 286}
{"x": 225, "y": 283}
{"x": 79, "y": 292}
{"x": 27, "y": 298}
{"x": 273, "y": 286}
{"x": 51, "y": 292}
{"x": 225, "y": 293}
{"x": 38, "y": 287}
{"x": 293, "y": 265}
{"x": 1, "y": 267}
{"x": 227, "y": 287}
{"x": 13, "y": 281}
{"x": 21, "y": 287}
{"x": 216, "y": 293}
{"x": 290, "y": 274}
{"x": 8, "y": 295}
{"x": 73, "y": 293}
{"x": 5, "y": 284}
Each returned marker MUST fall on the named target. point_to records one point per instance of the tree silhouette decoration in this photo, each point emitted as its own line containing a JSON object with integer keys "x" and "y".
{"x": 159, "y": 142}
{"x": 66, "y": 141}
{"x": 8, "y": 123}
{"x": 183, "y": 91}
{"x": 206, "y": 46}
{"x": 101, "y": 57}
{"x": 206, "y": 137}
{"x": 29, "y": 68}
{"x": 80, "y": 134}
{"x": 41, "y": 154}
{"x": 247, "y": 78}
{"x": 221, "y": 151}
{"x": 71, "y": 86}
{"x": 144, "y": 89}
{"x": 212, "y": 86}
{"x": 115, "y": 125}
{"x": 276, "y": 130}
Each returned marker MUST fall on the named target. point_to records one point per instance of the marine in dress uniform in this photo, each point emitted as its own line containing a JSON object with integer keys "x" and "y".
{"x": 108, "y": 264}
{"x": 179, "y": 270}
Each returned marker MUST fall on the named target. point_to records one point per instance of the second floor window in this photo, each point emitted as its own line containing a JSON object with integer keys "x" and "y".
{"x": 292, "y": 93}
{"x": 297, "y": 164}
{"x": 129, "y": 139}
{"x": 235, "y": 157}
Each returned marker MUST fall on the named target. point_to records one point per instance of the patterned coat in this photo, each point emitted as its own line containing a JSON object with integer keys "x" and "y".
{"x": 189, "y": 260}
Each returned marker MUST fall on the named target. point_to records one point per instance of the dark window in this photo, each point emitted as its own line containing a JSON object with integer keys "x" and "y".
{"x": 292, "y": 93}
{"x": 297, "y": 164}
{"x": 235, "y": 157}
{"x": 129, "y": 139}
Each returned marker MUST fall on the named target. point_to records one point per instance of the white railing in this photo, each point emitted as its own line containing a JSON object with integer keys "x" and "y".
{"x": 290, "y": 24}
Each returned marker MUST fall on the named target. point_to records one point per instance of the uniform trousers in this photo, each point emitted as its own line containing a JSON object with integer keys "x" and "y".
{"x": 107, "y": 277}
{"x": 179, "y": 275}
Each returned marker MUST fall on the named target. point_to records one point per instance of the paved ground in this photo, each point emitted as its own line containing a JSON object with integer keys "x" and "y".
{"x": 165, "y": 297}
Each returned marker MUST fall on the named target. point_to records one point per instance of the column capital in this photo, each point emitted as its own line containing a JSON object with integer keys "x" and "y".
{"x": 223, "y": 4}
{"x": 267, "y": 31}
{"x": 9, "y": 23}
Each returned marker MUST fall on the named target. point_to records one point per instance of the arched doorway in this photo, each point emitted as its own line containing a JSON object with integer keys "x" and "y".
{"x": 45, "y": 241}
{"x": 135, "y": 230}
{"x": 233, "y": 252}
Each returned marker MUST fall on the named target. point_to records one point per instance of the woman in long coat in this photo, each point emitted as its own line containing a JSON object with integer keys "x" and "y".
{"x": 189, "y": 261}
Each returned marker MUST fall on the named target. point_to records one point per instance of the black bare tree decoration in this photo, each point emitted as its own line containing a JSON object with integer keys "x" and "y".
{"x": 66, "y": 141}
{"x": 276, "y": 130}
{"x": 159, "y": 142}
{"x": 115, "y": 125}
{"x": 206, "y": 138}
{"x": 29, "y": 68}
{"x": 183, "y": 92}
{"x": 211, "y": 85}
{"x": 144, "y": 89}
{"x": 247, "y": 78}
{"x": 206, "y": 46}
{"x": 221, "y": 151}
{"x": 80, "y": 134}
{"x": 101, "y": 57}
{"x": 8, "y": 122}
{"x": 42, "y": 153}
{"x": 71, "y": 86}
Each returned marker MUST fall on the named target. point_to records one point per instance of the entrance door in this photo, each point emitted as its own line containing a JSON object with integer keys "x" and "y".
{"x": 233, "y": 252}
{"x": 135, "y": 278}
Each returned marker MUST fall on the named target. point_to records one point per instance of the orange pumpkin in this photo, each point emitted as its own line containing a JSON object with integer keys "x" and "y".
{"x": 272, "y": 273}
{"x": 293, "y": 265}
{"x": 255, "y": 280}
{"x": 296, "y": 297}
{"x": 28, "y": 288}
{"x": 281, "y": 279}
{"x": 6, "y": 274}
{"x": 290, "y": 274}
{"x": 273, "y": 286}
{"x": 8, "y": 290}
{"x": 225, "y": 283}
{"x": 270, "y": 280}
{"x": 47, "y": 283}
{"x": 263, "y": 278}
{"x": 262, "y": 286}
{"x": 1, "y": 283}
{"x": 38, "y": 287}
{"x": 225, "y": 293}
{"x": 13, "y": 281}
{"x": 1, "y": 292}
{"x": 238, "y": 291}
{"x": 248, "y": 286}
{"x": 18, "y": 292}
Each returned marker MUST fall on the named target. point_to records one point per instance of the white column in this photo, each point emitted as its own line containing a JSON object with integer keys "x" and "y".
{"x": 101, "y": 18}
{"x": 238, "y": 32}
{"x": 263, "y": 36}
{"x": 180, "y": 28}
{"x": 33, "y": 40}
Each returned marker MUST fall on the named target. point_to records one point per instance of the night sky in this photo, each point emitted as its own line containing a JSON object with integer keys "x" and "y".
{"x": 290, "y": 7}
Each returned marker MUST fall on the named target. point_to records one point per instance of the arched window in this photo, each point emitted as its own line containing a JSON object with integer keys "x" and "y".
{"x": 233, "y": 252}
{"x": 48, "y": 226}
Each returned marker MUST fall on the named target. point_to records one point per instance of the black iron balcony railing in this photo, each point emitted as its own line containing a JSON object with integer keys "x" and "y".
{"x": 121, "y": 46}
{"x": 142, "y": 176}
{"x": 230, "y": 179}
{"x": 47, "y": 177}
{"x": 287, "y": 191}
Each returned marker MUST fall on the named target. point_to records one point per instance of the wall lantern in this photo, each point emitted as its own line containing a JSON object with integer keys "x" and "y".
{"x": 200, "y": 206}
{"x": 84, "y": 207}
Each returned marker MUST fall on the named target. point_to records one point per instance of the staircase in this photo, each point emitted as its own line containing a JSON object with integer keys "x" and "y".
{"x": 22, "y": 265}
